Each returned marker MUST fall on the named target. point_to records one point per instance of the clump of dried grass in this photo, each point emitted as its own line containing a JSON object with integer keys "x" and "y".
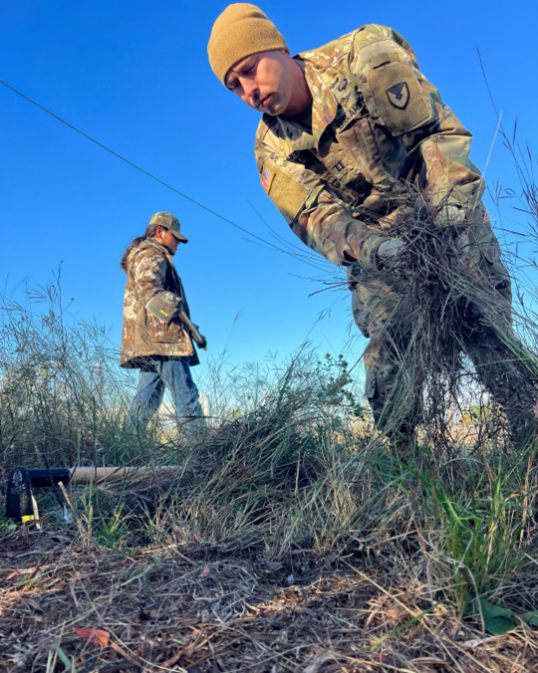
{"x": 239, "y": 484}
{"x": 448, "y": 327}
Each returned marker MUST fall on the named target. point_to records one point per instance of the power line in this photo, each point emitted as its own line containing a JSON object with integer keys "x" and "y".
{"x": 142, "y": 170}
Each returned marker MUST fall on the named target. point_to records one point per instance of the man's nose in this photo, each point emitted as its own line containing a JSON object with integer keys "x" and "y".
{"x": 250, "y": 88}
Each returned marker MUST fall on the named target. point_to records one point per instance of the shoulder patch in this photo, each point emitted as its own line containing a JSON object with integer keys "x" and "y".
{"x": 268, "y": 176}
{"x": 398, "y": 95}
{"x": 398, "y": 98}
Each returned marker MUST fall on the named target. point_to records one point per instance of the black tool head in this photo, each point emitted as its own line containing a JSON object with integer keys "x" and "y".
{"x": 19, "y": 496}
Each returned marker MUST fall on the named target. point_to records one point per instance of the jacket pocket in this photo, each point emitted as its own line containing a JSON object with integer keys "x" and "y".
{"x": 162, "y": 332}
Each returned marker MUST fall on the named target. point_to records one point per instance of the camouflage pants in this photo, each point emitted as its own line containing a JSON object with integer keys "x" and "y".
{"x": 377, "y": 298}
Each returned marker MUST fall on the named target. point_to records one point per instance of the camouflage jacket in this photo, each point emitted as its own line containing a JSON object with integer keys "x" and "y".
{"x": 150, "y": 271}
{"x": 376, "y": 123}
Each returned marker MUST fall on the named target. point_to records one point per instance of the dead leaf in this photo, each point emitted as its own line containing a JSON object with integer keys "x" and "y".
{"x": 173, "y": 660}
{"x": 94, "y": 636}
{"x": 14, "y": 574}
{"x": 385, "y": 659}
{"x": 205, "y": 571}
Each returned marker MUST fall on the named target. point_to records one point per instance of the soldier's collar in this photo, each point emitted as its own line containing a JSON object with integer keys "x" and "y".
{"x": 324, "y": 108}
{"x": 324, "y": 104}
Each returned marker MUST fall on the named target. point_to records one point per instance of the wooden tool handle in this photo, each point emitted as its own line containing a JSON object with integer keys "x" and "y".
{"x": 85, "y": 475}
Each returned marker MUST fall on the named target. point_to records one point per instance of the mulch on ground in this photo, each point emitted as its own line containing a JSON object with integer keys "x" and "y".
{"x": 66, "y": 601}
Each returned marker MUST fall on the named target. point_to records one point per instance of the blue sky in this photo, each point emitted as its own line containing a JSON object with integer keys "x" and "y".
{"x": 135, "y": 76}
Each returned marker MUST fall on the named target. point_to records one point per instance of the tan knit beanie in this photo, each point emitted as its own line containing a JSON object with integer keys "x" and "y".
{"x": 241, "y": 30}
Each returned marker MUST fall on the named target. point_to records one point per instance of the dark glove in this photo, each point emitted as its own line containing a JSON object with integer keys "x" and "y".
{"x": 204, "y": 341}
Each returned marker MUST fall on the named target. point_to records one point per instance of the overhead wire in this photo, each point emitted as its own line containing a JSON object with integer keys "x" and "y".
{"x": 142, "y": 170}
{"x": 305, "y": 256}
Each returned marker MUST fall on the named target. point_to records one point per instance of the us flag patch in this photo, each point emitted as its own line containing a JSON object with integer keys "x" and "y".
{"x": 267, "y": 178}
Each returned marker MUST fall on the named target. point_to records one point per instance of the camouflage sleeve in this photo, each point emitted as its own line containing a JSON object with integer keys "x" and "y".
{"x": 314, "y": 211}
{"x": 399, "y": 97}
{"x": 148, "y": 271}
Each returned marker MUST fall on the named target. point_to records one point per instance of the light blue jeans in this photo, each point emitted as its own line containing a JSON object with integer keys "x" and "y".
{"x": 175, "y": 375}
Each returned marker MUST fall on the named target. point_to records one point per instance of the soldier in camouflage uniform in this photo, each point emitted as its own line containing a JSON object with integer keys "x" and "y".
{"x": 154, "y": 339}
{"x": 344, "y": 128}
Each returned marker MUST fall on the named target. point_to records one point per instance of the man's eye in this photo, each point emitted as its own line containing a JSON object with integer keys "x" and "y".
{"x": 248, "y": 70}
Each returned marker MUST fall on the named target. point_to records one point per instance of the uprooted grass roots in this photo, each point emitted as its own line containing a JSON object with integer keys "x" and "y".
{"x": 441, "y": 311}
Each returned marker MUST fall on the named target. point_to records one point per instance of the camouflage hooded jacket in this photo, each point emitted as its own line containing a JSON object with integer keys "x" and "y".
{"x": 376, "y": 123}
{"x": 150, "y": 271}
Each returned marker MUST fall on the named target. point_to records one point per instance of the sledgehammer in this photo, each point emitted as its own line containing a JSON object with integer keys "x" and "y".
{"x": 21, "y": 504}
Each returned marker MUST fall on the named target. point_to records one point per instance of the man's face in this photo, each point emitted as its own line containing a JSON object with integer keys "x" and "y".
{"x": 264, "y": 81}
{"x": 167, "y": 238}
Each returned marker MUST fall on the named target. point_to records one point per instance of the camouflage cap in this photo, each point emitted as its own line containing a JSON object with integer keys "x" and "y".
{"x": 170, "y": 222}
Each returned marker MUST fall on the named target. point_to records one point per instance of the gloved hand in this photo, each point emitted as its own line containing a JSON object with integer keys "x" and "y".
{"x": 204, "y": 340}
{"x": 389, "y": 251}
{"x": 452, "y": 214}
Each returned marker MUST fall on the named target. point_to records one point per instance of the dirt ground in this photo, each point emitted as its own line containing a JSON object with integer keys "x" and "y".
{"x": 68, "y": 605}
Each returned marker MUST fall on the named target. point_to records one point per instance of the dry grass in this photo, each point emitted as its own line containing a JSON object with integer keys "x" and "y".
{"x": 240, "y": 563}
{"x": 287, "y": 540}
{"x": 181, "y": 608}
